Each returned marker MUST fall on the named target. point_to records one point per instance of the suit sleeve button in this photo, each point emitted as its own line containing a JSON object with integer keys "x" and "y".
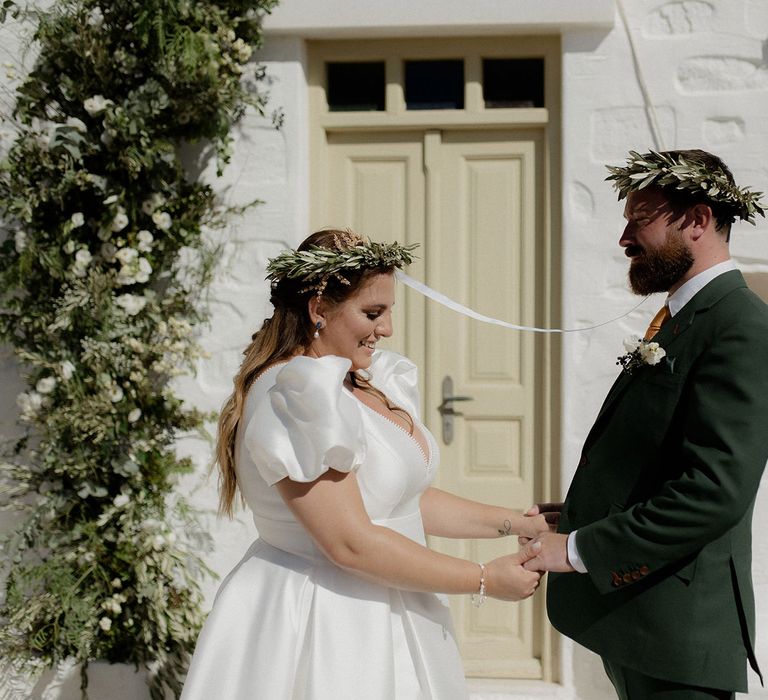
{"x": 627, "y": 578}
{"x": 644, "y": 570}
{"x": 616, "y": 579}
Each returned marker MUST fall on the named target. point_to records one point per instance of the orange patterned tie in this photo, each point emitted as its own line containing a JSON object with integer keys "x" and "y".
{"x": 658, "y": 321}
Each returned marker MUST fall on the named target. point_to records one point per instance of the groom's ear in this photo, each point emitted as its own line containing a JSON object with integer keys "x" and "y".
{"x": 700, "y": 218}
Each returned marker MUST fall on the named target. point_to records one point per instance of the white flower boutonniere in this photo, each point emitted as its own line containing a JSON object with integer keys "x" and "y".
{"x": 640, "y": 352}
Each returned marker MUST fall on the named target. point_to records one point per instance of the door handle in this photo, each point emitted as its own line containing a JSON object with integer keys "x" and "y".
{"x": 446, "y": 409}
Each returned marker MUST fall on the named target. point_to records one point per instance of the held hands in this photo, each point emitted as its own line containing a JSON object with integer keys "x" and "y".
{"x": 551, "y": 553}
{"x": 543, "y": 517}
{"x": 507, "y": 579}
{"x": 551, "y": 548}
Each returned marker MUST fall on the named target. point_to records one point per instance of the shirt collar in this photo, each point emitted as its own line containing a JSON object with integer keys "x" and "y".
{"x": 687, "y": 291}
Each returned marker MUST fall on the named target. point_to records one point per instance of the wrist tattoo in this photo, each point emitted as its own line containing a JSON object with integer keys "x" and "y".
{"x": 507, "y": 531}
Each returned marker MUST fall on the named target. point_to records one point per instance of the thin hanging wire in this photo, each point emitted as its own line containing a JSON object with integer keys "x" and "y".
{"x": 650, "y": 110}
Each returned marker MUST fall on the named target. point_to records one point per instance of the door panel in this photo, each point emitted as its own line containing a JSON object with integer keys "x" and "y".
{"x": 375, "y": 185}
{"x": 483, "y": 242}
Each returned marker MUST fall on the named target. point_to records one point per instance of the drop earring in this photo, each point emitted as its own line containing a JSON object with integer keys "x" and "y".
{"x": 318, "y": 326}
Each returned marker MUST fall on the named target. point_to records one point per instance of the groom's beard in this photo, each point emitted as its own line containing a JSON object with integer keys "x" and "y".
{"x": 657, "y": 270}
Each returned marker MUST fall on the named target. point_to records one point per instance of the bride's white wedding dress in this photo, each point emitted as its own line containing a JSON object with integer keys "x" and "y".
{"x": 287, "y": 623}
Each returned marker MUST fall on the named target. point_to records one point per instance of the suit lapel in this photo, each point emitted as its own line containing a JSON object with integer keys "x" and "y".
{"x": 672, "y": 331}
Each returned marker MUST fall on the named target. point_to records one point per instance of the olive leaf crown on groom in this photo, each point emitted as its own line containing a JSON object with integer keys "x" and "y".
{"x": 690, "y": 176}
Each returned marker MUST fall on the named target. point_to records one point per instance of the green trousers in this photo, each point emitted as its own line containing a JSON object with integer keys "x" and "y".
{"x": 633, "y": 685}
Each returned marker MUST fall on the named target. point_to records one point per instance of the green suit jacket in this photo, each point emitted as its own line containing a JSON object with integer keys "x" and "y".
{"x": 663, "y": 496}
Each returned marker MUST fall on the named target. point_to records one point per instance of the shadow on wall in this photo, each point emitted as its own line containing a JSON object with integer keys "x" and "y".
{"x": 758, "y": 283}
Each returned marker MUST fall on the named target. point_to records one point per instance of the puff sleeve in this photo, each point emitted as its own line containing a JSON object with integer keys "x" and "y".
{"x": 307, "y": 424}
{"x": 398, "y": 378}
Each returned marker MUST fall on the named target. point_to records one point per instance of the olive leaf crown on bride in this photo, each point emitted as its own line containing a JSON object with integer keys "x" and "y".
{"x": 676, "y": 171}
{"x": 350, "y": 253}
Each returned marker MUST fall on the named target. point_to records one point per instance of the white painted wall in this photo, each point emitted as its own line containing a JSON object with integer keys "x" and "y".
{"x": 705, "y": 66}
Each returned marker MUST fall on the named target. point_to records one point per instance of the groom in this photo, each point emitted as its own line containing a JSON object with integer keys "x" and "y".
{"x": 654, "y": 541}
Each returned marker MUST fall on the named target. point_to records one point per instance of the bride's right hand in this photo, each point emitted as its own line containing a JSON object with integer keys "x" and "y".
{"x": 506, "y": 578}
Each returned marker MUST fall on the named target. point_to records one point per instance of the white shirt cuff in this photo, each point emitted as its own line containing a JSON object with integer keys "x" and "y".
{"x": 573, "y": 554}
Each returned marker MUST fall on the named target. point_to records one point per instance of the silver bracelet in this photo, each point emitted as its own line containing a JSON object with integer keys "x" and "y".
{"x": 479, "y": 598}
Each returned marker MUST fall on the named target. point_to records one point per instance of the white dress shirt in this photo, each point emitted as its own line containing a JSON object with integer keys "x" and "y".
{"x": 675, "y": 302}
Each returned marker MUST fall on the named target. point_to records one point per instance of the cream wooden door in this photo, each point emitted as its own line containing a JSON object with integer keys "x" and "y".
{"x": 472, "y": 198}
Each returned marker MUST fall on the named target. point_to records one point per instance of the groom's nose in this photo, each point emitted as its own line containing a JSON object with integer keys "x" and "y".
{"x": 627, "y": 237}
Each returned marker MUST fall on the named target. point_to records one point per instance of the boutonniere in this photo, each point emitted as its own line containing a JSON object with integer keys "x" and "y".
{"x": 640, "y": 352}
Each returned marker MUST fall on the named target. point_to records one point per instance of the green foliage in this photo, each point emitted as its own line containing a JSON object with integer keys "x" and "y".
{"x": 101, "y": 271}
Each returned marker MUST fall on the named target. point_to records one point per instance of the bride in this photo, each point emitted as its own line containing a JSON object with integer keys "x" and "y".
{"x": 339, "y": 598}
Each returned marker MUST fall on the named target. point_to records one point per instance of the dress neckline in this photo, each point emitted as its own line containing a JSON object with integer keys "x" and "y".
{"x": 426, "y": 456}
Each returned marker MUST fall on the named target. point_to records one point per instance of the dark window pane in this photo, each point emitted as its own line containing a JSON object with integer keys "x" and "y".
{"x": 513, "y": 82}
{"x": 434, "y": 84}
{"x": 356, "y": 87}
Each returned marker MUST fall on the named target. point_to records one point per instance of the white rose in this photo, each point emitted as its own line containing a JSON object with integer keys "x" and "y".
{"x": 69, "y": 247}
{"x": 46, "y": 385}
{"x": 77, "y": 219}
{"x": 111, "y": 605}
{"x": 131, "y": 303}
{"x": 121, "y": 500}
{"x": 96, "y": 18}
{"x": 115, "y": 394}
{"x": 96, "y": 104}
{"x": 120, "y": 221}
{"x": 29, "y": 403}
{"x": 652, "y": 353}
{"x": 162, "y": 219}
{"x": 144, "y": 270}
{"x": 105, "y": 623}
{"x": 116, "y": 583}
{"x": 83, "y": 257}
{"x": 134, "y": 415}
{"x": 125, "y": 277}
{"x": 67, "y": 369}
{"x": 145, "y": 239}
{"x": 20, "y": 239}
{"x": 127, "y": 255}
{"x": 632, "y": 343}
{"x": 111, "y": 199}
{"x": 243, "y": 50}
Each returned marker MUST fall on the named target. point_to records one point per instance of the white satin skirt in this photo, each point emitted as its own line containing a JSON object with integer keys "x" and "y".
{"x": 288, "y": 627}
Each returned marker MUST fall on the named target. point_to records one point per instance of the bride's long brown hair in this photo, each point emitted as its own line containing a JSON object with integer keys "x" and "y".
{"x": 287, "y": 333}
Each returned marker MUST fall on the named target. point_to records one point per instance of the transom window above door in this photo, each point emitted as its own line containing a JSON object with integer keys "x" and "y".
{"x": 435, "y": 83}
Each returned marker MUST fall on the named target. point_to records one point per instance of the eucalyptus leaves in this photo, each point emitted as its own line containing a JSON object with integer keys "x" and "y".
{"x": 102, "y": 266}
{"x": 672, "y": 169}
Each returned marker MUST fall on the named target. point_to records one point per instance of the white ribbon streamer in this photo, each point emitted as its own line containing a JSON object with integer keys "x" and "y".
{"x": 471, "y": 313}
